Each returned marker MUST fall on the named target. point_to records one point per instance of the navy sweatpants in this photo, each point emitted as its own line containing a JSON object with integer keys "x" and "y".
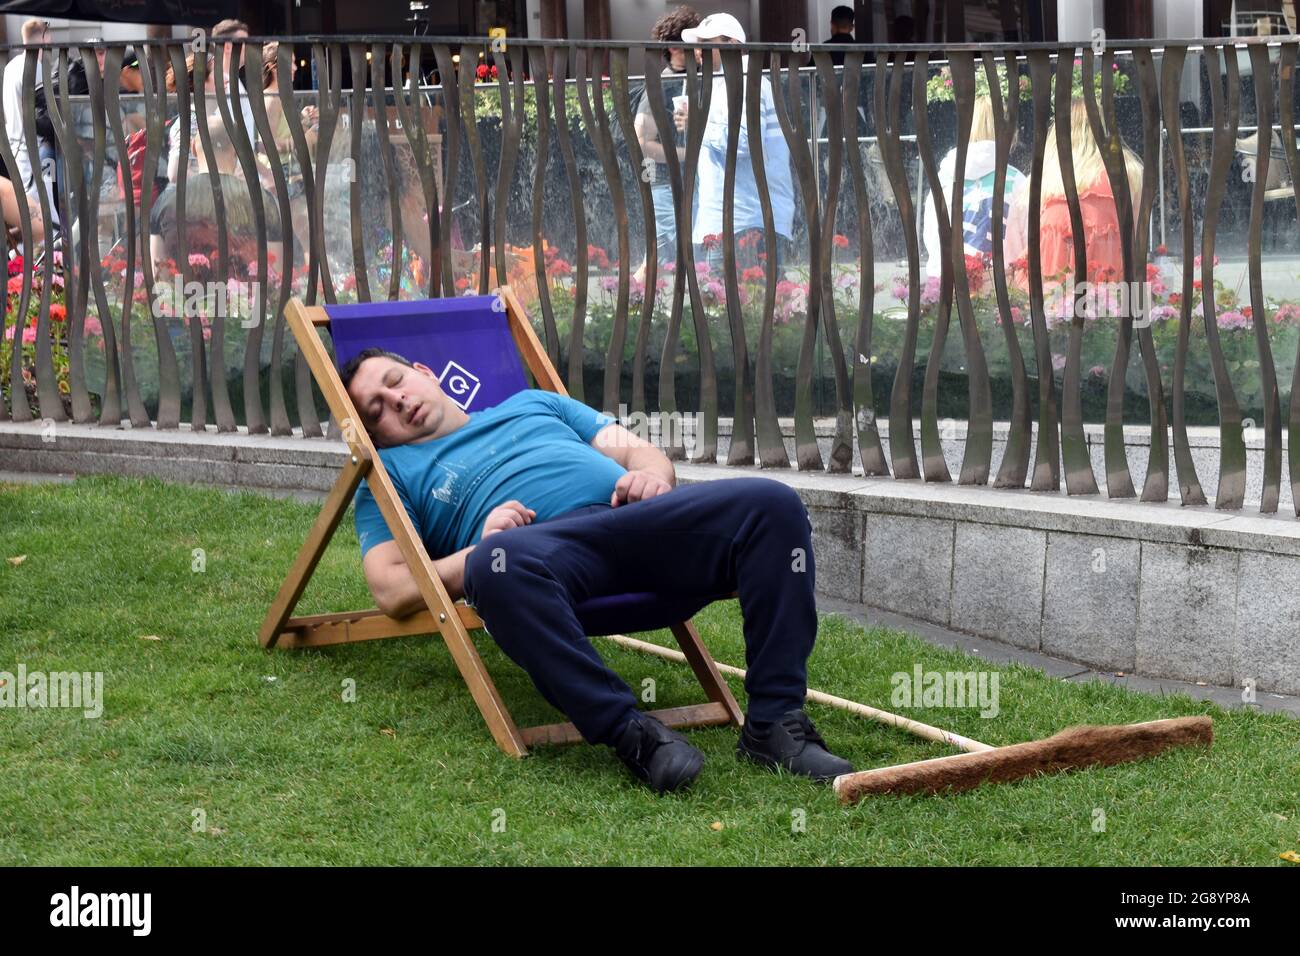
{"x": 749, "y": 535}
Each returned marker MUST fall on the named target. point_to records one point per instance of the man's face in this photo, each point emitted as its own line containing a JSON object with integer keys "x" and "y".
{"x": 717, "y": 54}
{"x": 398, "y": 404}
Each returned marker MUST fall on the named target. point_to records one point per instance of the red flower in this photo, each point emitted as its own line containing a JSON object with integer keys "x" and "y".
{"x": 1245, "y": 310}
{"x": 58, "y": 311}
{"x": 712, "y": 240}
{"x": 462, "y": 283}
{"x": 752, "y": 274}
{"x": 841, "y": 241}
{"x": 15, "y": 265}
{"x": 1161, "y": 249}
{"x": 1196, "y": 284}
{"x": 598, "y": 257}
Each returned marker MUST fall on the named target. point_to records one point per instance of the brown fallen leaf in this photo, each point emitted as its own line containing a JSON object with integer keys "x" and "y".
{"x": 715, "y": 825}
{"x": 150, "y": 637}
{"x": 17, "y": 559}
{"x": 388, "y": 731}
{"x": 1291, "y": 856}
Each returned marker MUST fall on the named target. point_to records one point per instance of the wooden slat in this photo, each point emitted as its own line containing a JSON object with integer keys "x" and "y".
{"x": 318, "y": 539}
{"x": 696, "y": 715}
{"x": 324, "y": 630}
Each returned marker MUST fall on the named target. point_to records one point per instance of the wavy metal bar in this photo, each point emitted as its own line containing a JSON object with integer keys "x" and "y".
{"x": 741, "y": 451}
{"x": 597, "y": 120}
{"x": 410, "y": 113}
{"x": 329, "y": 71}
{"x": 1286, "y": 92}
{"x": 379, "y": 106}
{"x": 450, "y": 112}
{"x": 1263, "y": 78}
{"x": 564, "y": 136}
{"x": 469, "y": 94}
{"x": 155, "y": 112}
{"x": 539, "y": 67}
{"x": 807, "y": 452}
{"x": 243, "y": 140}
{"x": 933, "y": 463}
{"x": 841, "y": 459}
{"x": 111, "y": 405}
{"x": 618, "y": 60}
{"x": 978, "y": 458}
{"x": 699, "y": 94}
{"x": 869, "y": 446}
{"x": 199, "y": 387}
{"x": 279, "y": 414}
{"x": 356, "y": 120}
{"x": 75, "y": 254}
{"x": 1231, "y": 492}
{"x": 47, "y": 386}
{"x": 889, "y": 85}
{"x": 1105, "y": 130}
{"x": 1047, "y": 474}
{"x": 304, "y": 399}
{"x": 1015, "y": 458}
{"x": 671, "y": 444}
{"x": 18, "y": 396}
{"x": 1079, "y": 477}
{"x": 220, "y": 388}
{"x": 512, "y": 126}
{"x": 1155, "y": 486}
{"x": 1170, "y": 81}
{"x": 771, "y": 443}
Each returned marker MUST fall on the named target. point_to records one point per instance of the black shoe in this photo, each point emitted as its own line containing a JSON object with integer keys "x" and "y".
{"x": 657, "y": 755}
{"x": 793, "y": 744}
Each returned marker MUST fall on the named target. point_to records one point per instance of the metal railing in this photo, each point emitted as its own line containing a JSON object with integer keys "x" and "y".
{"x": 158, "y": 298}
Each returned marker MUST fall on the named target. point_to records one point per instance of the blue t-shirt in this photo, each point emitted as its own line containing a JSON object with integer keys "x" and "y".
{"x": 535, "y": 447}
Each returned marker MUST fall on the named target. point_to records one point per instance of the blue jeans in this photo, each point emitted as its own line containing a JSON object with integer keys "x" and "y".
{"x": 694, "y": 544}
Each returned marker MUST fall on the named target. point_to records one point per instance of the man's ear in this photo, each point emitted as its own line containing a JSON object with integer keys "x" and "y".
{"x": 421, "y": 367}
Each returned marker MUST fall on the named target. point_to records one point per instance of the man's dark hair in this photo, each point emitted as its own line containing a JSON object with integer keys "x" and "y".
{"x": 349, "y": 371}
{"x": 843, "y": 17}
{"x": 669, "y": 27}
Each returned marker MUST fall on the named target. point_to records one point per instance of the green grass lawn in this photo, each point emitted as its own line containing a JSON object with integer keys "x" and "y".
{"x": 286, "y": 772}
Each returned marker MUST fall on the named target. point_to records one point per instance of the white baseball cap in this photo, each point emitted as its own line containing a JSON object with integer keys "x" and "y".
{"x": 713, "y": 27}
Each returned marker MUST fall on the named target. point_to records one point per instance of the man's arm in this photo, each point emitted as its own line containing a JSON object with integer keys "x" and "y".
{"x": 393, "y": 585}
{"x": 649, "y": 472}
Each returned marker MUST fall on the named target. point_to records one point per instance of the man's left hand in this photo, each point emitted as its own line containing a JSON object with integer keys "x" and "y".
{"x": 637, "y": 486}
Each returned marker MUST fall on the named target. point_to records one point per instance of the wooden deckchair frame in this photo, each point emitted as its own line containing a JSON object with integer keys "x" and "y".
{"x": 453, "y": 620}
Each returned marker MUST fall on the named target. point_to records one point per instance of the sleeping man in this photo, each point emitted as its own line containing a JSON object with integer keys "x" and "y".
{"x": 535, "y": 505}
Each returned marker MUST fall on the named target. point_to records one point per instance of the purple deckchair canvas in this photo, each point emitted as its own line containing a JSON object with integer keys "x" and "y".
{"x": 464, "y": 340}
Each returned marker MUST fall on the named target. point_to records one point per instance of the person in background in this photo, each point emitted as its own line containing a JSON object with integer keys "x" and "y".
{"x": 711, "y": 173}
{"x": 977, "y": 193}
{"x": 1096, "y": 202}
{"x": 842, "y": 23}
{"x": 230, "y": 31}
{"x": 668, "y": 29}
{"x": 11, "y": 88}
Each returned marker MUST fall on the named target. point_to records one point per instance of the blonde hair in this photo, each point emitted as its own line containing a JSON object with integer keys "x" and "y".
{"x": 981, "y": 121}
{"x": 1085, "y": 158}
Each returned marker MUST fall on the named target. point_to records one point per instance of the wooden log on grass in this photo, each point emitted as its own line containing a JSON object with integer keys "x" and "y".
{"x": 1069, "y": 750}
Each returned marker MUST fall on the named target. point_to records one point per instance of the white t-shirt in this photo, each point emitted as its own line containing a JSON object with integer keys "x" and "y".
{"x": 13, "y": 104}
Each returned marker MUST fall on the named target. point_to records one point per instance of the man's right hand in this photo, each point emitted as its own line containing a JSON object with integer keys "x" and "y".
{"x": 512, "y": 514}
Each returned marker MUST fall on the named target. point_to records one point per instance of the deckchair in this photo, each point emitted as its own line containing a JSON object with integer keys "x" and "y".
{"x": 475, "y": 345}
